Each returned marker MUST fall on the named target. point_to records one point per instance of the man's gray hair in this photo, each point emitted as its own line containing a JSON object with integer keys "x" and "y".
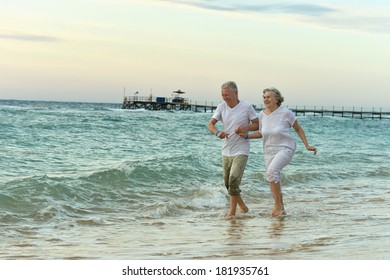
{"x": 230, "y": 85}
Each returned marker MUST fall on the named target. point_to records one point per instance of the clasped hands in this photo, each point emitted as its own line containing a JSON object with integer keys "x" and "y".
{"x": 241, "y": 131}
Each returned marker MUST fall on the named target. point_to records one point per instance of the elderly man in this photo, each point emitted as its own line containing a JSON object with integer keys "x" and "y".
{"x": 237, "y": 116}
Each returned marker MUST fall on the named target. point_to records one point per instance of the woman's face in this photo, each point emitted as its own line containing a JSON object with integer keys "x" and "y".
{"x": 270, "y": 100}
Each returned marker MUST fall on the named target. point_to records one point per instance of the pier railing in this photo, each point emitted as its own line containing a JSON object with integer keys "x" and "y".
{"x": 342, "y": 111}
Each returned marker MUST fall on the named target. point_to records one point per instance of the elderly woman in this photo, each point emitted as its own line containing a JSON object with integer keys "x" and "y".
{"x": 279, "y": 146}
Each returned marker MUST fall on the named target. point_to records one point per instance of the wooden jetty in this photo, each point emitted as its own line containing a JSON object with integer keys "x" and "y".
{"x": 164, "y": 103}
{"x": 184, "y": 104}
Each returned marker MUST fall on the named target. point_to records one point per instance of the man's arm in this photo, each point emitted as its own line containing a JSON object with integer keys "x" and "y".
{"x": 213, "y": 129}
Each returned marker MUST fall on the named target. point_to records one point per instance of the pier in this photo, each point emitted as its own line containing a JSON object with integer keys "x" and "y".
{"x": 185, "y": 104}
{"x": 165, "y": 103}
{"x": 344, "y": 112}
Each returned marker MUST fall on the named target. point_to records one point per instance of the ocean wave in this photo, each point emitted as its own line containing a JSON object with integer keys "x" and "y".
{"x": 151, "y": 188}
{"x": 201, "y": 199}
{"x": 145, "y": 188}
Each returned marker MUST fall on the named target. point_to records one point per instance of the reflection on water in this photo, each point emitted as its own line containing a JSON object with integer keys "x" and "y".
{"x": 277, "y": 226}
{"x": 234, "y": 231}
{"x": 234, "y": 238}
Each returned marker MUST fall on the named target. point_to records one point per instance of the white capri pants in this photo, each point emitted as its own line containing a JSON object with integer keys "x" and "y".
{"x": 276, "y": 158}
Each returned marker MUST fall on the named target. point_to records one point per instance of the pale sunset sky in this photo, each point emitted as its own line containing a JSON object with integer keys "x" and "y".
{"x": 320, "y": 53}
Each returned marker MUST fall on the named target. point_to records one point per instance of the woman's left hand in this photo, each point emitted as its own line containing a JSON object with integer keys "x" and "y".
{"x": 241, "y": 130}
{"x": 312, "y": 148}
{"x": 242, "y": 134}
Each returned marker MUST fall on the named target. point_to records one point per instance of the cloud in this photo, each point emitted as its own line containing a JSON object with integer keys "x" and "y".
{"x": 344, "y": 17}
{"x": 29, "y": 37}
{"x": 255, "y": 7}
{"x": 364, "y": 23}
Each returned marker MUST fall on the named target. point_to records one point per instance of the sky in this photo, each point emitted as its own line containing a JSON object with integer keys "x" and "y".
{"x": 317, "y": 53}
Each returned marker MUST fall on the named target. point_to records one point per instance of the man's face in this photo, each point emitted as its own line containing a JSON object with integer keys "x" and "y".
{"x": 228, "y": 95}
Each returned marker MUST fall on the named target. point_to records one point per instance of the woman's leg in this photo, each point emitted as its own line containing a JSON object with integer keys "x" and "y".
{"x": 278, "y": 199}
{"x": 275, "y": 163}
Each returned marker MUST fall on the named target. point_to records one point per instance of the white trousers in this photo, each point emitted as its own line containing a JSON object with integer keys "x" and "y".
{"x": 276, "y": 158}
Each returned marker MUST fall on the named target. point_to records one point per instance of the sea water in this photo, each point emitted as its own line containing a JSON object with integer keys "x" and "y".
{"x": 93, "y": 181}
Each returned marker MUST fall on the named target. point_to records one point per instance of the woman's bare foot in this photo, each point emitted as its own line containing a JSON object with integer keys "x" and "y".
{"x": 277, "y": 212}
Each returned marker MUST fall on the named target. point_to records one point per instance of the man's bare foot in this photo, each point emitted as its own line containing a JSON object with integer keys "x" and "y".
{"x": 229, "y": 217}
{"x": 244, "y": 209}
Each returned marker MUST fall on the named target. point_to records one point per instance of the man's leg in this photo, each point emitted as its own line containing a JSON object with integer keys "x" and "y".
{"x": 236, "y": 173}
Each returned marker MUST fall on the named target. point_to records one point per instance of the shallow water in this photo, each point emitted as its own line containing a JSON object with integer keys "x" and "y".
{"x": 92, "y": 181}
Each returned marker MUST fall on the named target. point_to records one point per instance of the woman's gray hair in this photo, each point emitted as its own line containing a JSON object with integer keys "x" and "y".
{"x": 276, "y": 93}
{"x": 230, "y": 85}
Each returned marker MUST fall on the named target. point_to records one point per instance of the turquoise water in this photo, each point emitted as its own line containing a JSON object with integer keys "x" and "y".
{"x": 93, "y": 181}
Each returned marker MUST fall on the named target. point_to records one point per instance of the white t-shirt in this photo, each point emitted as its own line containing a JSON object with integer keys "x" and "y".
{"x": 276, "y": 128}
{"x": 233, "y": 118}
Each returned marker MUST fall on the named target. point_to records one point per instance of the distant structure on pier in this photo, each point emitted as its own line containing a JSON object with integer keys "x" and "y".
{"x": 176, "y": 103}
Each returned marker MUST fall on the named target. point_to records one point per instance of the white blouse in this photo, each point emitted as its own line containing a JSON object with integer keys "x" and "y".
{"x": 276, "y": 128}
